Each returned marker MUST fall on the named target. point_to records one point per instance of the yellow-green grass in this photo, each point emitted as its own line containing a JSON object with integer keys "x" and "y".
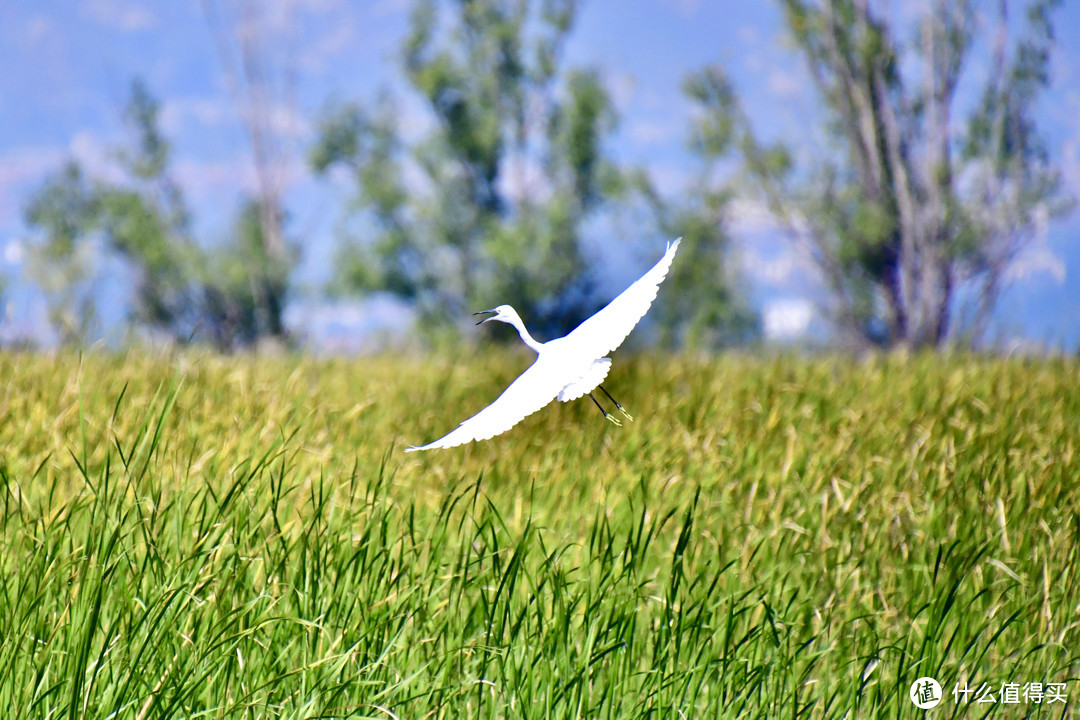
{"x": 197, "y": 536}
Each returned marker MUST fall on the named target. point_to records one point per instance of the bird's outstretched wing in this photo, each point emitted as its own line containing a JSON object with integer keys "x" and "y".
{"x": 534, "y": 388}
{"x": 607, "y": 329}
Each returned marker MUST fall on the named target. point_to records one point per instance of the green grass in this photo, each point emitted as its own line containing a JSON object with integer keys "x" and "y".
{"x": 201, "y": 537}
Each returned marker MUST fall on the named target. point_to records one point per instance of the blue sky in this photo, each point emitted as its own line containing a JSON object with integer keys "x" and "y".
{"x": 68, "y": 67}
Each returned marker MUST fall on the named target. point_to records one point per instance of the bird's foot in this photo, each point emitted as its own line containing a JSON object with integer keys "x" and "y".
{"x": 613, "y": 419}
{"x": 616, "y": 402}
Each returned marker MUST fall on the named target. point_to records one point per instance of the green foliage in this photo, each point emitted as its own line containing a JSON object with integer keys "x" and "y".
{"x": 143, "y": 221}
{"x": 920, "y": 200}
{"x": 149, "y": 160}
{"x": 65, "y": 211}
{"x": 65, "y": 208}
{"x": 491, "y": 205}
{"x": 705, "y": 311}
{"x": 138, "y": 229}
{"x": 370, "y": 148}
{"x": 242, "y": 285}
{"x": 1003, "y": 133}
{"x": 708, "y": 310}
{"x": 579, "y": 130}
{"x": 231, "y": 538}
{"x": 233, "y": 293}
{"x": 714, "y": 130}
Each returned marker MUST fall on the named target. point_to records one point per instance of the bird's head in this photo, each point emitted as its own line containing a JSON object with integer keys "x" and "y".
{"x": 503, "y": 313}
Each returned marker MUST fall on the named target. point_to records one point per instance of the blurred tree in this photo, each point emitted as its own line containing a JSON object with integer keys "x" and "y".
{"x": 61, "y": 257}
{"x": 255, "y": 45}
{"x": 491, "y": 203}
{"x": 146, "y": 221}
{"x": 242, "y": 285}
{"x": 143, "y": 220}
{"x": 489, "y": 206}
{"x": 229, "y": 294}
{"x": 709, "y": 310}
{"x": 916, "y": 203}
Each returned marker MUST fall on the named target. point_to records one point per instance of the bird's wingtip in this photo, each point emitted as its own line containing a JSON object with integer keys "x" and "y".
{"x": 412, "y": 448}
{"x": 673, "y": 244}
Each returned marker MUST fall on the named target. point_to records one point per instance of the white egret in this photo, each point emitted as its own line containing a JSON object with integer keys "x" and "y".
{"x": 566, "y": 368}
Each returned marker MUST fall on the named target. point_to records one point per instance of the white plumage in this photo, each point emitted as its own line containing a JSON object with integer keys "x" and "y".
{"x": 567, "y": 368}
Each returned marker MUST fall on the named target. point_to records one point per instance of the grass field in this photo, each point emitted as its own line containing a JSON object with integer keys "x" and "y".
{"x": 201, "y": 537}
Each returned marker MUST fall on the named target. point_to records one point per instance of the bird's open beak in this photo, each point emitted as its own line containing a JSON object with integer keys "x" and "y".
{"x": 485, "y": 312}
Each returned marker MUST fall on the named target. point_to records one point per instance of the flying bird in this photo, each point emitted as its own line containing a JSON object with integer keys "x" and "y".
{"x": 565, "y": 368}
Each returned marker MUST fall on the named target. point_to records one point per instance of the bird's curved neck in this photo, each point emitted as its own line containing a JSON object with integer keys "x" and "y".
{"x": 525, "y": 336}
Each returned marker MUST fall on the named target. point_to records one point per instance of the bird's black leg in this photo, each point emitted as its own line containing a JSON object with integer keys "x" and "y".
{"x": 608, "y": 415}
{"x": 621, "y": 408}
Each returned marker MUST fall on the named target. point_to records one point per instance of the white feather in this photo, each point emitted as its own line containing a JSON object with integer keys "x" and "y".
{"x": 568, "y": 367}
{"x": 587, "y": 382}
{"x": 606, "y": 330}
{"x": 534, "y": 388}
